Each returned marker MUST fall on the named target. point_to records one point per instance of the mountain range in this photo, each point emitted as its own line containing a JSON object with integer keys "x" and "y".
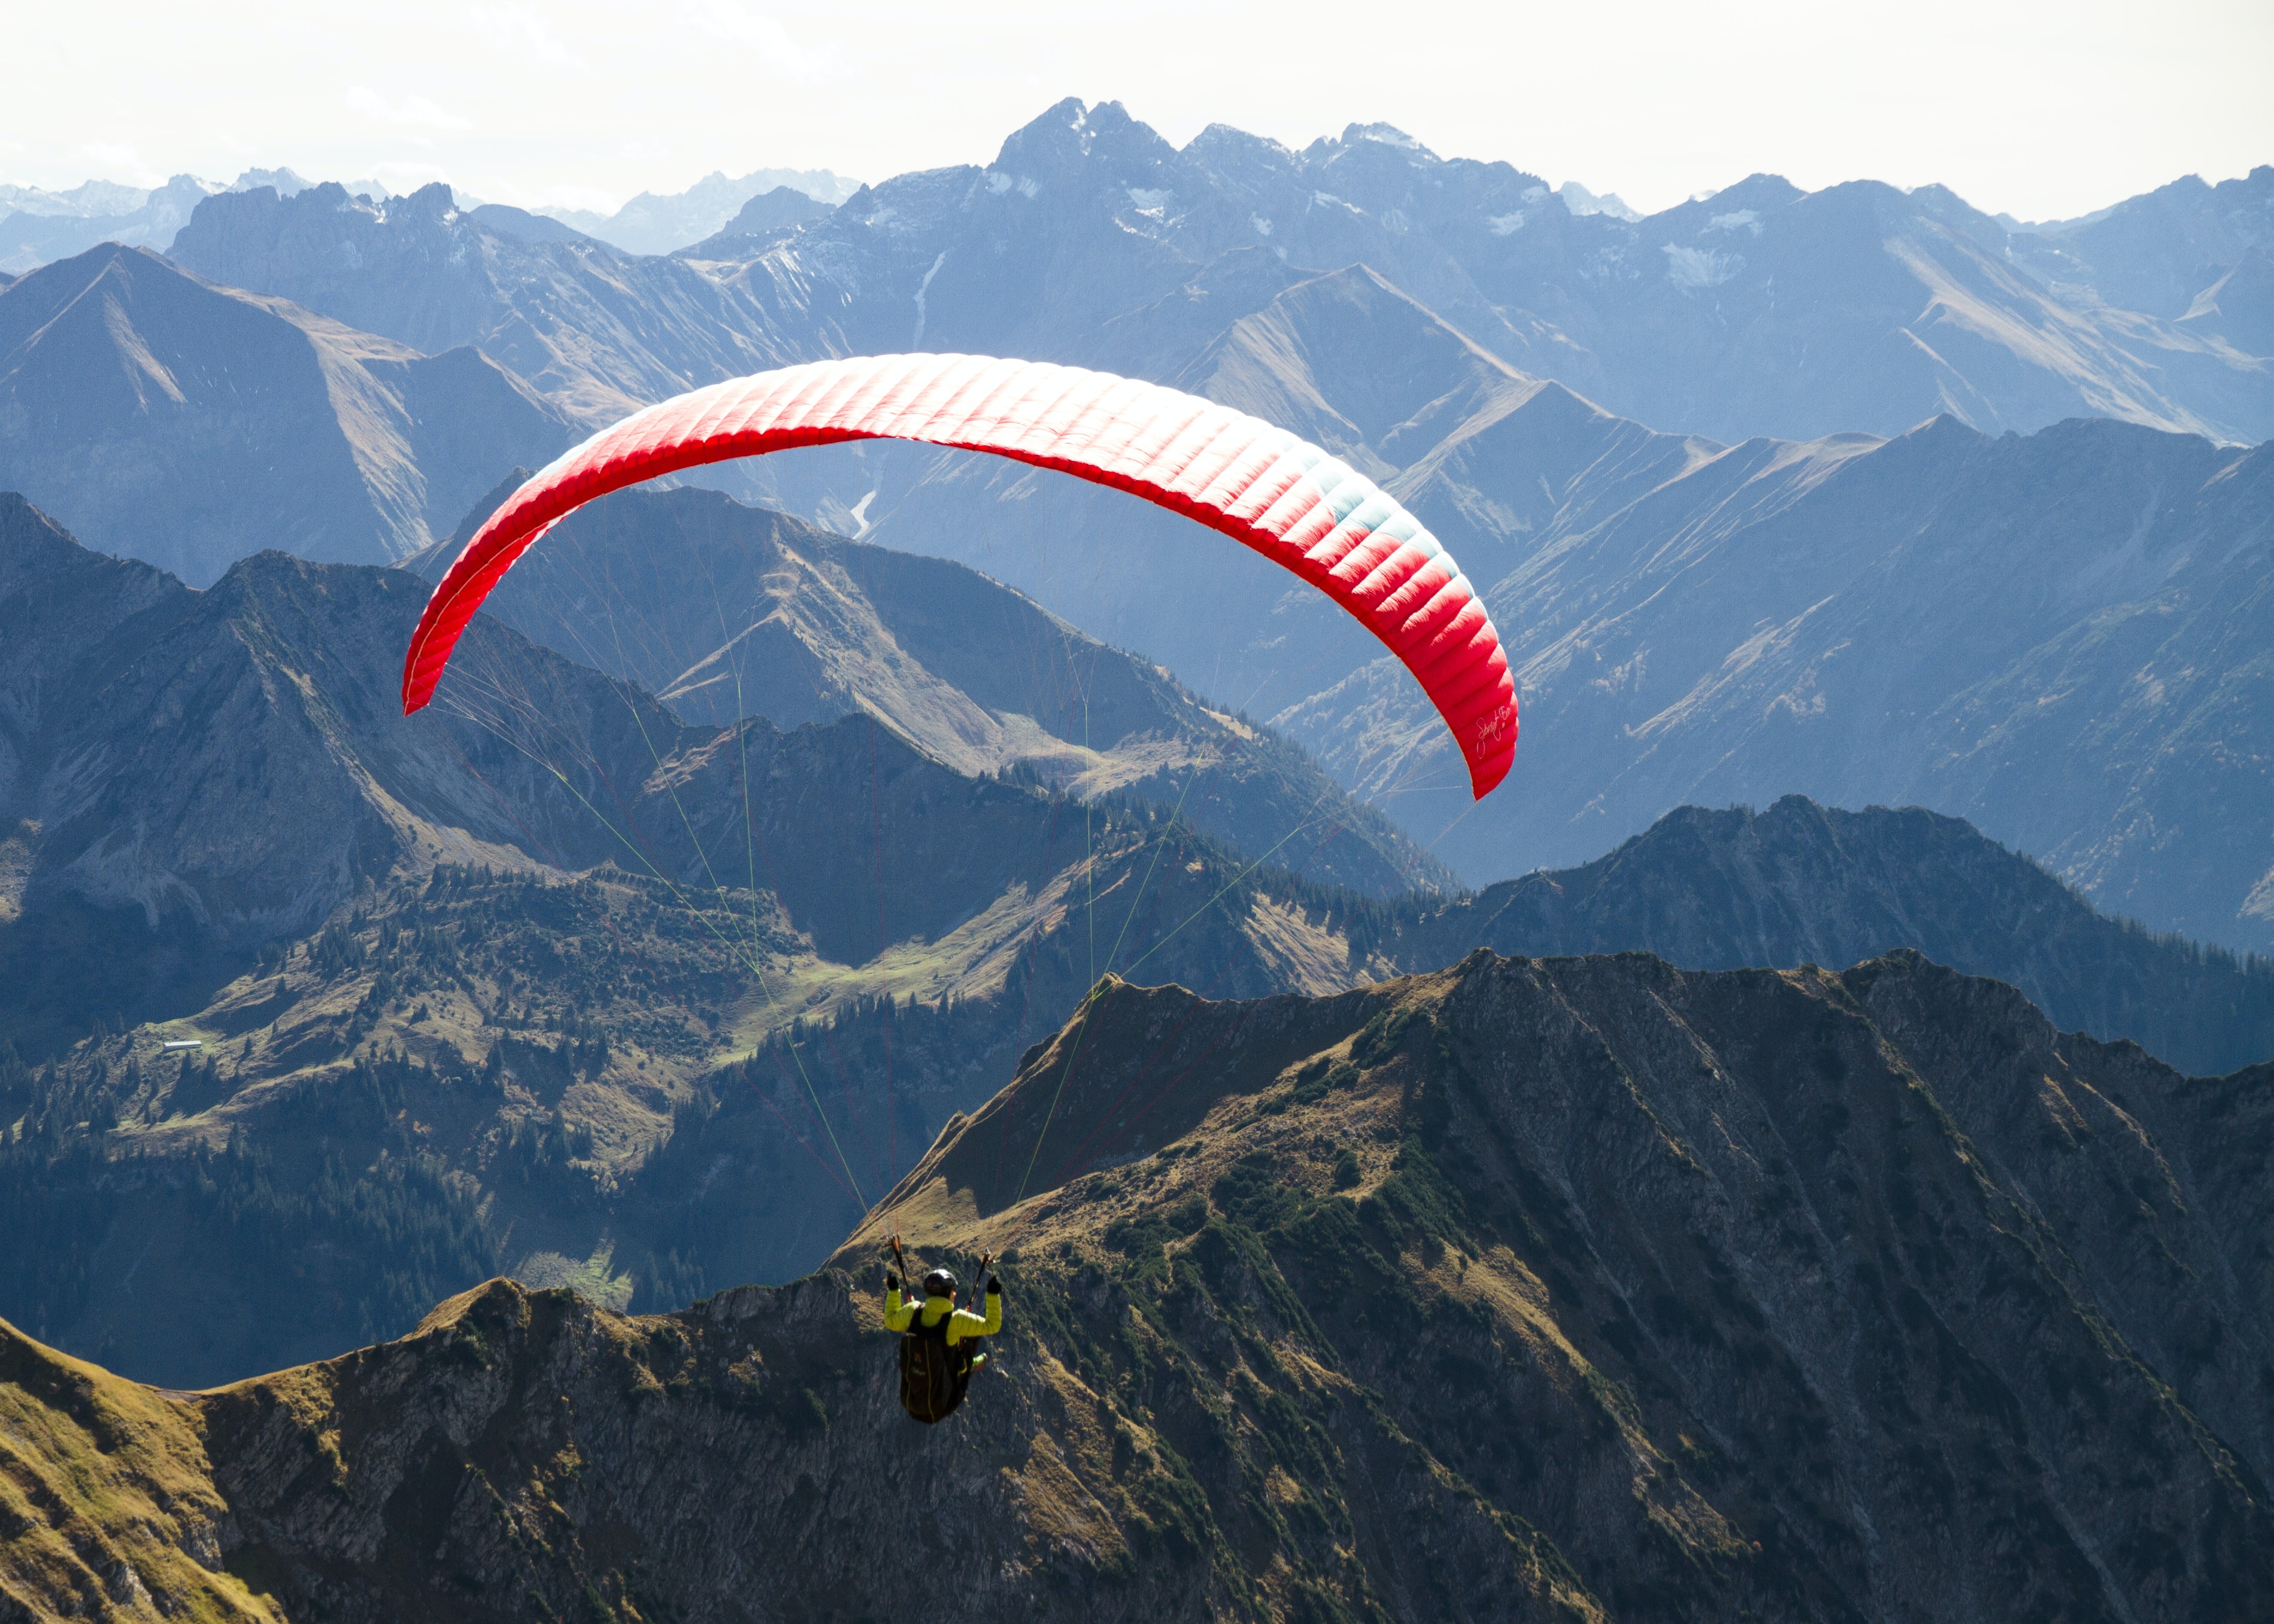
{"x": 2064, "y": 637}
{"x": 1638, "y": 698}
{"x": 1576, "y": 1289}
{"x": 39, "y": 227}
{"x": 599, "y": 332}
{"x": 562, "y": 983}
{"x": 1763, "y": 310}
{"x": 2061, "y": 637}
{"x": 1577, "y": 518}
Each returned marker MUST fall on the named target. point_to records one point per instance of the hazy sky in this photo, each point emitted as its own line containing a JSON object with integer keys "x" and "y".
{"x": 2043, "y": 111}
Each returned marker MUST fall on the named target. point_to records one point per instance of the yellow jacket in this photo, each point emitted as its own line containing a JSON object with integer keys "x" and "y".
{"x": 899, "y": 1313}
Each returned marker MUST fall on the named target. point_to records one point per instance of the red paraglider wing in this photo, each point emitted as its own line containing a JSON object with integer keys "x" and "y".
{"x": 1282, "y": 496}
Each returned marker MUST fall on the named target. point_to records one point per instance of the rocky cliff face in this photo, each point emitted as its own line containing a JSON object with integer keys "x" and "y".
{"x": 171, "y": 420}
{"x": 1577, "y": 1288}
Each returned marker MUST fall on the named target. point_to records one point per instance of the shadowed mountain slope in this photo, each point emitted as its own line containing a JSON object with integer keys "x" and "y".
{"x": 1563, "y": 1288}
{"x": 189, "y": 424}
{"x": 686, "y": 1089}
{"x": 1799, "y": 884}
{"x": 728, "y": 612}
{"x": 189, "y": 781}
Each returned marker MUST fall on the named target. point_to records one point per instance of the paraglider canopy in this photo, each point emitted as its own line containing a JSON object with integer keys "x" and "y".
{"x": 1287, "y": 499}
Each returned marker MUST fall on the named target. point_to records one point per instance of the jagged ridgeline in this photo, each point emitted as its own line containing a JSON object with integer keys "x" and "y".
{"x": 1530, "y": 1288}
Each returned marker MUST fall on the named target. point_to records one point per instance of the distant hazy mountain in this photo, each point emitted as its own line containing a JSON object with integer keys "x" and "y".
{"x": 650, "y": 224}
{"x": 2157, "y": 251}
{"x": 86, "y": 201}
{"x": 38, "y": 227}
{"x": 768, "y": 215}
{"x": 523, "y": 227}
{"x": 595, "y": 329}
{"x": 728, "y": 612}
{"x": 1762, "y": 311}
{"x": 1579, "y": 200}
{"x": 171, "y": 420}
{"x": 2061, "y": 637}
{"x": 104, "y": 200}
{"x": 30, "y": 239}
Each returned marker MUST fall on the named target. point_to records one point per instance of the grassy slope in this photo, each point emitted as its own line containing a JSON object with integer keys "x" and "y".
{"x": 108, "y": 1507}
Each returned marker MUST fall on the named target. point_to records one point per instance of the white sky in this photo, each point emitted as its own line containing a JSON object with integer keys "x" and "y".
{"x": 2043, "y": 111}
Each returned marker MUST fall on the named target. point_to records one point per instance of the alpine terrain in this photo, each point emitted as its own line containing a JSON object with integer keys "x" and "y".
{"x": 1567, "y": 1288}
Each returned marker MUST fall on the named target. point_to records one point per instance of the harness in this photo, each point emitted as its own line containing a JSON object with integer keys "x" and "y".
{"x": 935, "y": 1373}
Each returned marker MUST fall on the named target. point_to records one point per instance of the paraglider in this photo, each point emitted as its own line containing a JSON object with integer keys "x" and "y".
{"x": 937, "y": 1360}
{"x": 1261, "y": 486}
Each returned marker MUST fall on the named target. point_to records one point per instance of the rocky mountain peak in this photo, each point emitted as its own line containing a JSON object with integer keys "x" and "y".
{"x": 1389, "y": 135}
{"x": 1071, "y": 144}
